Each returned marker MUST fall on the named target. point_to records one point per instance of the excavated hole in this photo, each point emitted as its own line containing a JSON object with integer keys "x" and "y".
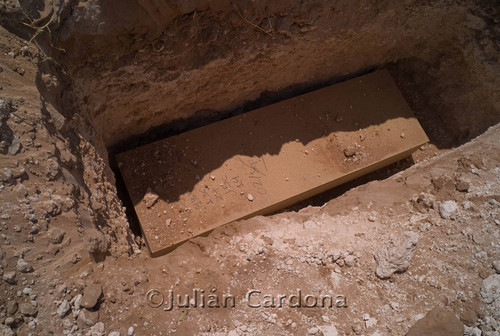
{"x": 440, "y": 134}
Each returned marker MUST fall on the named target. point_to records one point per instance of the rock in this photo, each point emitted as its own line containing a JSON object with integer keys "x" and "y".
{"x": 250, "y": 197}
{"x": 481, "y": 256}
{"x": 5, "y": 175}
{"x": 150, "y": 199}
{"x": 471, "y": 331}
{"x": 396, "y": 257}
{"x": 11, "y": 307}
{"x": 424, "y": 202}
{"x": 469, "y": 317}
{"x": 63, "y": 309}
{"x": 67, "y": 323}
{"x": 77, "y": 300}
{"x": 61, "y": 290}
{"x": 52, "y": 169}
{"x": 96, "y": 330}
{"x": 496, "y": 266}
{"x": 6, "y": 331}
{"x": 56, "y": 236}
{"x": 462, "y": 186}
{"x": 24, "y": 267}
{"x": 32, "y": 325}
{"x": 349, "y": 260}
{"x": 27, "y": 309}
{"x": 350, "y": 151}
{"x": 437, "y": 322}
{"x": 91, "y": 296}
{"x": 130, "y": 331}
{"x": 10, "y": 277}
{"x": 96, "y": 245}
{"x": 490, "y": 290}
{"x": 87, "y": 318}
{"x": 329, "y": 330}
{"x": 447, "y": 209}
{"x": 15, "y": 146}
{"x": 370, "y": 322}
{"x": 312, "y": 331}
{"x": 2, "y": 255}
{"x": 114, "y": 333}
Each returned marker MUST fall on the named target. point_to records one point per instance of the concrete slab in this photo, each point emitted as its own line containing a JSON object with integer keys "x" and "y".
{"x": 267, "y": 159}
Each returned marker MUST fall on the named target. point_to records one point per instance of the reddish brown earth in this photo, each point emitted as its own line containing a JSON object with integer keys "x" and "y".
{"x": 97, "y": 75}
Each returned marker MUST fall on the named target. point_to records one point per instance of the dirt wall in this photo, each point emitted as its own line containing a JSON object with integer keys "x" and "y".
{"x": 137, "y": 65}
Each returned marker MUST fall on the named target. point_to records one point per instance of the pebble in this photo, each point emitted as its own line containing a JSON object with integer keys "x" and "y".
{"x": 23, "y": 266}
{"x": 349, "y": 260}
{"x": 496, "y": 266}
{"x": 114, "y": 333}
{"x": 313, "y": 331}
{"x": 61, "y": 289}
{"x": 250, "y": 197}
{"x": 63, "y": 308}
{"x": 472, "y": 331}
{"x": 462, "y": 186}
{"x": 91, "y": 296}
{"x": 130, "y": 331}
{"x": 76, "y": 301}
{"x": 150, "y": 199}
{"x": 447, "y": 209}
{"x": 5, "y": 329}
{"x": 396, "y": 257}
{"x": 481, "y": 256}
{"x": 328, "y": 330}
{"x": 57, "y": 236}
{"x": 97, "y": 330}
{"x": 11, "y": 307}
{"x": 10, "y": 277}
{"x": 87, "y": 318}
{"x": 27, "y": 309}
{"x": 350, "y": 151}
{"x": 370, "y": 322}
{"x": 32, "y": 325}
{"x": 490, "y": 290}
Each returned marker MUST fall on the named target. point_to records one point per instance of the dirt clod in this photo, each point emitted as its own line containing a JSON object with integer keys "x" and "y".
{"x": 396, "y": 257}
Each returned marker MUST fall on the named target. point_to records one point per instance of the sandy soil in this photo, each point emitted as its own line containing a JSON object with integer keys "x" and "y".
{"x": 419, "y": 236}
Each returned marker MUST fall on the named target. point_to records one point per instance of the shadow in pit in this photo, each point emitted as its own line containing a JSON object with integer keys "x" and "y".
{"x": 187, "y": 159}
{"x": 204, "y": 118}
